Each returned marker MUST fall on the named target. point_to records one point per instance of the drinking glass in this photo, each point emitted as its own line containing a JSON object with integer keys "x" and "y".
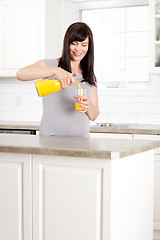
{"x": 79, "y": 93}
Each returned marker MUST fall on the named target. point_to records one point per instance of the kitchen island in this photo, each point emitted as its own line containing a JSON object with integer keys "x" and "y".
{"x": 76, "y": 188}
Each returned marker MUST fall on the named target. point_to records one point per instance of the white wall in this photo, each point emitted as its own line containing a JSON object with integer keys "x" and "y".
{"x": 54, "y": 23}
{"x": 19, "y": 101}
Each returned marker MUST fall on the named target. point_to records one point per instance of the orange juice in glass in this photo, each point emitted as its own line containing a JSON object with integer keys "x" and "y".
{"x": 79, "y": 92}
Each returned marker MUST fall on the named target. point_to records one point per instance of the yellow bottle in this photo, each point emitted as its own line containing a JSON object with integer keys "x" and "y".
{"x": 47, "y": 86}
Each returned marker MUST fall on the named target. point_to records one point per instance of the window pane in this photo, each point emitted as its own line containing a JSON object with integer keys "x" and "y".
{"x": 137, "y": 44}
{"x": 113, "y": 69}
{"x": 94, "y": 19}
{"x": 113, "y": 45}
{"x": 114, "y": 20}
{"x": 136, "y": 69}
{"x": 137, "y": 18}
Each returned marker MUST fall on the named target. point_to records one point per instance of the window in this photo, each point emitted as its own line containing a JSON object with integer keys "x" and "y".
{"x": 121, "y": 43}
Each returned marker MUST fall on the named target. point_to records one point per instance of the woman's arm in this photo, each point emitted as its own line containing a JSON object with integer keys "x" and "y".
{"x": 90, "y": 104}
{"x": 40, "y": 70}
{"x": 93, "y": 110}
{"x": 35, "y": 71}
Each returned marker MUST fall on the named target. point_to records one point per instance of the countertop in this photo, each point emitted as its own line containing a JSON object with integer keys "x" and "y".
{"x": 19, "y": 125}
{"x": 151, "y": 129}
{"x": 74, "y": 146}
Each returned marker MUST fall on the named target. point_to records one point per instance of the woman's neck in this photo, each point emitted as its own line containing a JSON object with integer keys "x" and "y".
{"x": 75, "y": 67}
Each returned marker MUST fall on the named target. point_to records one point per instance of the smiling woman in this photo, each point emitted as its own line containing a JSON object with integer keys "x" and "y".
{"x": 59, "y": 114}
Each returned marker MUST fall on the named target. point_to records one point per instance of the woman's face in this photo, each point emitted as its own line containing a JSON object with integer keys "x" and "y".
{"x": 79, "y": 49}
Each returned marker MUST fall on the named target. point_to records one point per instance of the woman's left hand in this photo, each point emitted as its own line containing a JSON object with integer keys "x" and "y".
{"x": 85, "y": 103}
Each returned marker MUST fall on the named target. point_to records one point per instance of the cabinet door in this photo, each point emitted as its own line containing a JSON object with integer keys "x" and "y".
{"x": 21, "y": 38}
{"x": 67, "y": 198}
{"x": 154, "y": 7}
{"x": 15, "y": 199}
{"x": 147, "y": 137}
{"x": 157, "y": 194}
{"x": 111, "y": 135}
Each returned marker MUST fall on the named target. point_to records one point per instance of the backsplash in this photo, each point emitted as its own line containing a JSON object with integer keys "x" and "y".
{"x": 137, "y": 106}
{"x": 19, "y": 102}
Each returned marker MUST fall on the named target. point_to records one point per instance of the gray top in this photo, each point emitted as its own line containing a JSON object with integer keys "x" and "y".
{"x": 59, "y": 114}
{"x": 74, "y": 146}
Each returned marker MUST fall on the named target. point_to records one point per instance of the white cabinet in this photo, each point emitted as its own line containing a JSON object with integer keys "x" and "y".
{"x": 29, "y": 32}
{"x": 15, "y": 199}
{"x": 67, "y": 197}
{"x": 156, "y": 184}
{"x": 21, "y": 42}
{"x": 154, "y": 36}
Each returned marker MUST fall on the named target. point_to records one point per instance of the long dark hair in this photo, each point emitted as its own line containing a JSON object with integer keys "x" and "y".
{"x": 79, "y": 31}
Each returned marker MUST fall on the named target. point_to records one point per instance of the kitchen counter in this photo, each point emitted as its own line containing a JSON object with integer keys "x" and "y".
{"x": 74, "y": 146}
{"x": 19, "y": 125}
{"x": 150, "y": 129}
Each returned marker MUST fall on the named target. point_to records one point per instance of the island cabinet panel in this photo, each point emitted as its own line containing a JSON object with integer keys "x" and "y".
{"x": 156, "y": 219}
{"x": 98, "y": 199}
{"x": 15, "y": 199}
{"x": 132, "y": 198}
{"x": 157, "y": 197}
{"x": 67, "y": 198}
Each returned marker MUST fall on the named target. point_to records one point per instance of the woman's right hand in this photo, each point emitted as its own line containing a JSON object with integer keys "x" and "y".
{"x": 65, "y": 77}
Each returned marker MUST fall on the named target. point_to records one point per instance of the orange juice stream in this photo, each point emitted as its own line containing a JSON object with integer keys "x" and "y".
{"x": 78, "y": 105}
{"x": 79, "y": 88}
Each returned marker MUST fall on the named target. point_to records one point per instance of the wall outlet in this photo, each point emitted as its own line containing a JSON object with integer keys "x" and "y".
{"x": 18, "y": 101}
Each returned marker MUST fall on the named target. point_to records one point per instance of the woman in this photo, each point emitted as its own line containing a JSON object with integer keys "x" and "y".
{"x": 59, "y": 115}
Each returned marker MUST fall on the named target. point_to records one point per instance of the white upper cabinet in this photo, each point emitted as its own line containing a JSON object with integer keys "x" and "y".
{"x": 28, "y": 33}
{"x": 20, "y": 36}
{"x": 154, "y": 36}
